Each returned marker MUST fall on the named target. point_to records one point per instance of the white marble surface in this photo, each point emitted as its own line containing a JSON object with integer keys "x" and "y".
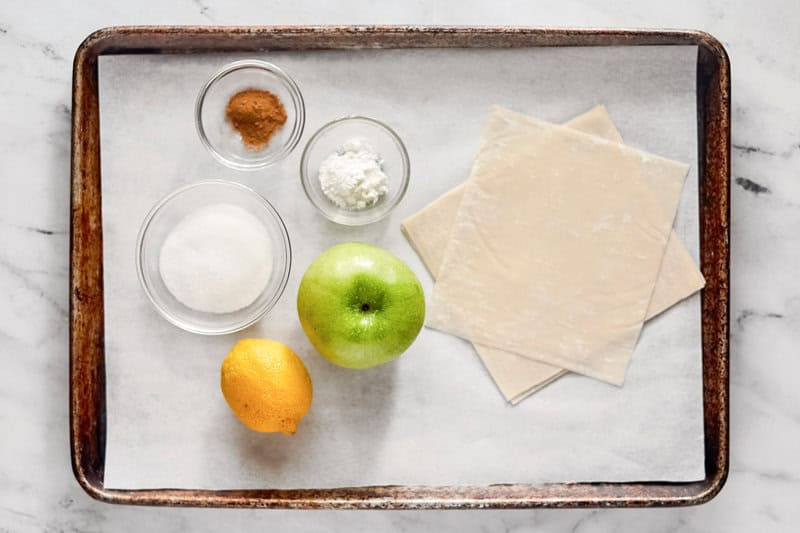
{"x": 37, "y": 41}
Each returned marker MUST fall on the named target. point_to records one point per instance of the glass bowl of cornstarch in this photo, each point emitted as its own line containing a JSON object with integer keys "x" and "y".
{"x": 213, "y": 257}
{"x": 355, "y": 170}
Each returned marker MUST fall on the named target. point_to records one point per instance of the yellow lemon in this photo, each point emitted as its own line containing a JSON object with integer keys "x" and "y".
{"x": 266, "y": 385}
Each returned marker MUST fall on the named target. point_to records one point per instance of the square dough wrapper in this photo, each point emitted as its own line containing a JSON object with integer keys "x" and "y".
{"x": 557, "y": 246}
{"x": 518, "y": 377}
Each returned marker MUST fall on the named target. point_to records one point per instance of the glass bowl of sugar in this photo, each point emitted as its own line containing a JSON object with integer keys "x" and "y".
{"x": 355, "y": 170}
{"x": 213, "y": 257}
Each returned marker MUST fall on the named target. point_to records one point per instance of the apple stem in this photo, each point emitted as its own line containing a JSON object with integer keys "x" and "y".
{"x": 365, "y": 307}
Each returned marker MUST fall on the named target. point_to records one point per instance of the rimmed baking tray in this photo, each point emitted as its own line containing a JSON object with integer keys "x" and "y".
{"x": 87, "y": 351}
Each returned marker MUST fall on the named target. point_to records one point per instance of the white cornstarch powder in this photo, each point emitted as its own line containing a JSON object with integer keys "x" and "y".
{"x": 352, "y": 177}
{"x": 217, "y": 259}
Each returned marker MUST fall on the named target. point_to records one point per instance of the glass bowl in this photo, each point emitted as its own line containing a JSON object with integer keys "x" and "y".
{"x": 328, "y": 140}
{"x": 175, "y": 207}
{"x": 218, "y": 135}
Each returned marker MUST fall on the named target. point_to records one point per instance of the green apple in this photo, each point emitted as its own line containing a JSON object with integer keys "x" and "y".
{"x": 359, "y": 305}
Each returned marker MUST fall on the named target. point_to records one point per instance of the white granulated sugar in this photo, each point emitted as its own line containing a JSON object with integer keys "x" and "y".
{"x": 217, "y": 259}
{"x": 353, "y": 178}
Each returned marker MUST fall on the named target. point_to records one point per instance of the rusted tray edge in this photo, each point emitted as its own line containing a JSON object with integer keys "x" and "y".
{"x": 173, "y": 39}
{"x": 87, "y": 359}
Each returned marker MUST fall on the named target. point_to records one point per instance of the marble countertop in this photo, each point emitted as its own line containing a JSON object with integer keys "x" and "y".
{"x": 37, "y": 41}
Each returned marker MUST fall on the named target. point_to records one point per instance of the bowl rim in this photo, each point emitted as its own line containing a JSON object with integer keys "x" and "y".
{"x": 264, "y": 309}
{"x": 404, "y": 179}
{"x": 297, "y": 101}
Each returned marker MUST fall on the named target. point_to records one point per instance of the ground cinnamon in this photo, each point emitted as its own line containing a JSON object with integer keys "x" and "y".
{"x": 256, "y": 115}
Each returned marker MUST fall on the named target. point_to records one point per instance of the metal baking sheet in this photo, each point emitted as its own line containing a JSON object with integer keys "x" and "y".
{"x": 270, "y": 478}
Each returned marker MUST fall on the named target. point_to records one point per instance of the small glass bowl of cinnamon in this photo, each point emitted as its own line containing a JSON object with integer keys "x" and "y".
{"x": 250, "y": 115}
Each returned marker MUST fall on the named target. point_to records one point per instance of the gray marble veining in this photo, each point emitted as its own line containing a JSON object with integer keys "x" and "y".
{"x": 37, "y": 41}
